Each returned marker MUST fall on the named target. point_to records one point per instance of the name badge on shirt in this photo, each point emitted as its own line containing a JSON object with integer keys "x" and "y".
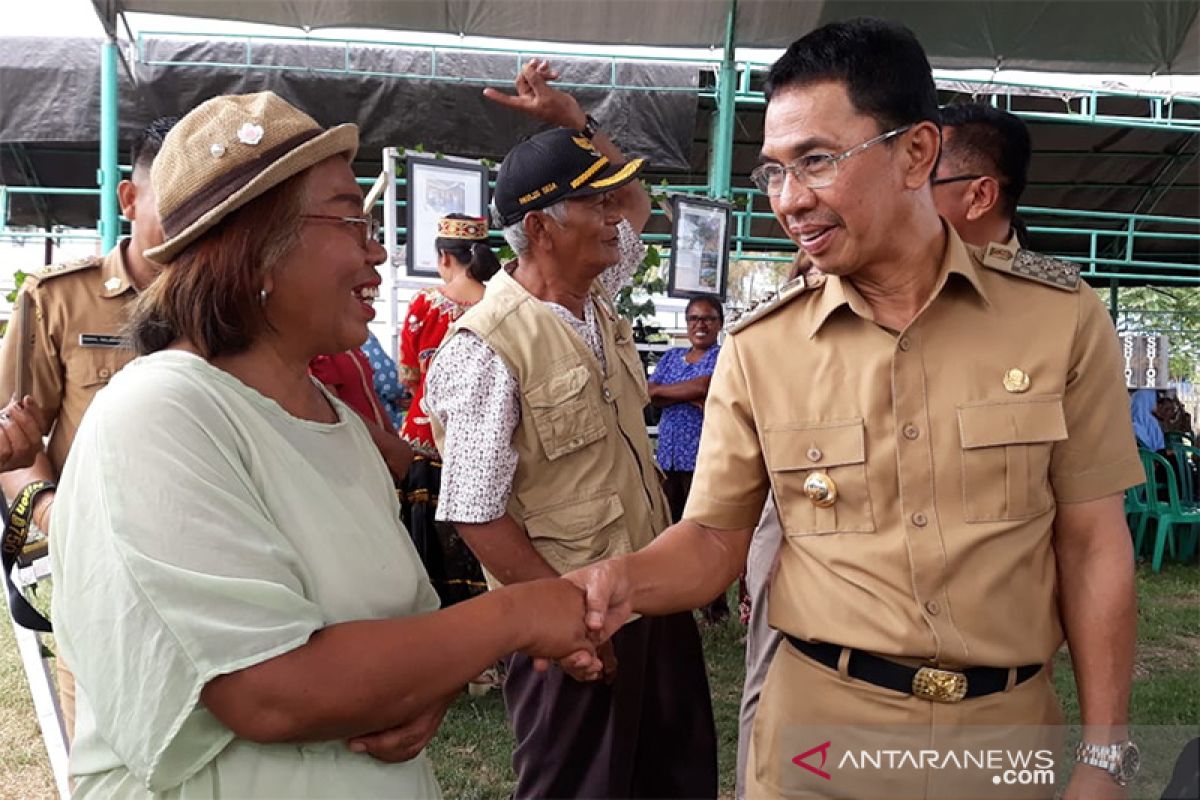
{"x": 102, "y": 340}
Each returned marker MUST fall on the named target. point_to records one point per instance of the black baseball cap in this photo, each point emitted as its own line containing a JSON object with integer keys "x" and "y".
{"x": 552, "y": 166}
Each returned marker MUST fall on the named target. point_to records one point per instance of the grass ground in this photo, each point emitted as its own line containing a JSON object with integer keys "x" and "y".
{"x": 472, "y": 749}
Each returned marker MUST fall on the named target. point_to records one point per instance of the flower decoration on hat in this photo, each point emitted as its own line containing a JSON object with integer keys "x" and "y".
{"x": 250, "y": 133}
{"x": 474, "y": 229}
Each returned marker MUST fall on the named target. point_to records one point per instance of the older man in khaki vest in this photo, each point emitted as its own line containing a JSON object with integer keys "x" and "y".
{"x": 536, "y": 402}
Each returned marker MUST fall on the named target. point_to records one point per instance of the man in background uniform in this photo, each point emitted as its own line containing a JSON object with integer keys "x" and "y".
{"x": 982, "y": 173}
{"x": 945, "y": 434}
{"x": 82, "y": 307}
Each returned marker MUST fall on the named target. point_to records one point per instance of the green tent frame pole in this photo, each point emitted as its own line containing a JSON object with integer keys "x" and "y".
{"x": 721, "y": 162}
{"x": 108, "y": 175}
{"x": 1113, "y": 299}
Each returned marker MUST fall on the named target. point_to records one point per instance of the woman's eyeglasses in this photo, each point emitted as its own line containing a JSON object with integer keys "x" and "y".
{"x": 370, "y": 225}
{"x": 693, "y": 319}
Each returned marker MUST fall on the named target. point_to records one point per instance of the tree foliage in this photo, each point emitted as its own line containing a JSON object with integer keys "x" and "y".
{"x": 1171, "y": 311}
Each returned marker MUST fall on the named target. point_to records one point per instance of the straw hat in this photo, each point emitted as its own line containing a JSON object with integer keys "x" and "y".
{"x": 228, "y": 151}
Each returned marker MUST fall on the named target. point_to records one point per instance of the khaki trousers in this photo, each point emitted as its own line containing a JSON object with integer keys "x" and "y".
{"x": 805, "y": 704}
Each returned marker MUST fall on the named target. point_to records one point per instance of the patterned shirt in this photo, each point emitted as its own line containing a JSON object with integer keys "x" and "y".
{"x": 680, "y": 423}
{"x": 477, "y": 400}
{"x": 430, "y": 315}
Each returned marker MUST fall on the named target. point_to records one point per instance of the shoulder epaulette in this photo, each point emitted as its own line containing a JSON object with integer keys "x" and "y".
{"x": 66, "y": 268}
{"x": 1032, "y": 266}
{"x": 775, "y": 301}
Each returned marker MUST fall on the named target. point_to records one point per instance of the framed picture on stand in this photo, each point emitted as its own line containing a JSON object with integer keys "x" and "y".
{"x": 699, "y": 247}
{"x": 437, "y": 187}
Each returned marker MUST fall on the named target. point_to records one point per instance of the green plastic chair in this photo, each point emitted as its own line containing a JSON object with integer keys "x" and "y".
{"x": 1166, "y": 514}
{"x": 1136, "y": 506}
{"x": 1187, "y": 462}
{"x": 1178, "y": 437}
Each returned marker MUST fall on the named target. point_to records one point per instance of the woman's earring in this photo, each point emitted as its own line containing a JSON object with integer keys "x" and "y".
{"x": 262, "y": 297}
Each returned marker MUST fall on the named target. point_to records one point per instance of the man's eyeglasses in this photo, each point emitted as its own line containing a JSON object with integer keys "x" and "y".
{"x": 693, "y": 319}
{"x": 815, "y": 171}
{"x": 954, "y": 179}
{"x": 370, "y": 225}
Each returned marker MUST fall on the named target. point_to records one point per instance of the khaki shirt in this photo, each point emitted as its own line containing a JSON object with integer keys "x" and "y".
{"x": 82, "y": 307}
{"x": 939, "y": 545}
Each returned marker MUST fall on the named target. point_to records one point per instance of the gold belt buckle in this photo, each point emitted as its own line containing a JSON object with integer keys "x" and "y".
{"x": 939, "y": 685}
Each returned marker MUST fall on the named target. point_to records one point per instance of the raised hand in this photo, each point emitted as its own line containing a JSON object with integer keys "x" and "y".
{"x": 20, "y": 433}
{"x": 537, "y": 98}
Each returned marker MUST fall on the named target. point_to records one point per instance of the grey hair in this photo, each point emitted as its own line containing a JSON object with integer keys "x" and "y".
{"x": 515, "y": 234}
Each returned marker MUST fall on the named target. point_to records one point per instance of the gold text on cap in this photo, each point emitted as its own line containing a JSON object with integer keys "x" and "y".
{"x": 821, "y": 489}
{"x": 1016, "y": 381}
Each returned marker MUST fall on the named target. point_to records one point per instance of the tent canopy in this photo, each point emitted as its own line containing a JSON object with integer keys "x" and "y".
{"x": 1105, "y": 36}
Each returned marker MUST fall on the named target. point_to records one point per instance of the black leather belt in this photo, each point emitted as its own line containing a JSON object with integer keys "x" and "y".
{"x": 930, "y": 683}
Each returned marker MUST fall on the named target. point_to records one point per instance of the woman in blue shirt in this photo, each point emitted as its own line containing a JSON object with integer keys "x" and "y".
{"x": 679, "y": 387}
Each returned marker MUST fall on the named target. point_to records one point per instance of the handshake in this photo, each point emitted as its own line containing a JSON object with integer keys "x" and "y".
{"x": 574, "y": 617}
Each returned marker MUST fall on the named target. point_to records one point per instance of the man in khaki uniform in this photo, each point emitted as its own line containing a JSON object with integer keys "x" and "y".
{"x": 978, "y": 182}
{"x": 946, "y": 437}
{"x": 82, "y": 307}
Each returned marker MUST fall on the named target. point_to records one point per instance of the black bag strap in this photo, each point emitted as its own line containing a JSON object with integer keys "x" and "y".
{"x": 16, "y": 531}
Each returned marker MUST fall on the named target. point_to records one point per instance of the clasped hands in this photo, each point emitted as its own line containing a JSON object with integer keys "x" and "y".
{"x": 602, "y": 599}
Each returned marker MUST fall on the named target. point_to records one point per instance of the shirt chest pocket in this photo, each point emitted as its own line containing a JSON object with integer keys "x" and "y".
{"x": 92, "y": 368}
{"x": 1006, "y": 449}
{"x": 565, "y": 412}
{"x": 833, "y": 453}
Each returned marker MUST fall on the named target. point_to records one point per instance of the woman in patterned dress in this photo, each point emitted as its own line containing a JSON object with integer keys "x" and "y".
{"x": 464, "y": 262}
{"x": 679, "y": 387}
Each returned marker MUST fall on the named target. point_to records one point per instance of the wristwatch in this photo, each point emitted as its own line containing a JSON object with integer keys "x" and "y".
{"x": 1121, "y": 760}
{"x": 590, "y": 127}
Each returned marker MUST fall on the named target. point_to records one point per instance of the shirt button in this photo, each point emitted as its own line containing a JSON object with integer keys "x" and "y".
{"x": 911, "y": 432}
{"x": 104, "y": 373}
{"x": 607, "y": 394}
{"x": 919, "y": 520}
{"x": 905, "y": 344}
{"x": 933, "y": 608}
{"x": 814, "y": 454}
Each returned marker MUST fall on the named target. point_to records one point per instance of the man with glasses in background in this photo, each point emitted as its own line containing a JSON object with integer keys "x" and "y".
{"x": 981, "y": 173}
{"x": 909, "y": 410}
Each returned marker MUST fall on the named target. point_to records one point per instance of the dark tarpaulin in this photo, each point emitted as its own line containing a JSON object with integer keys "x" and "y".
{"x": 1113, "y": 36}
{"x": 50, "y": 94}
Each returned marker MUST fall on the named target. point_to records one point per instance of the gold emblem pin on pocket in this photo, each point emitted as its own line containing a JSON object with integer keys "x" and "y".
{"x": 1016, "y": 381}
{"x": 821, "y": 489}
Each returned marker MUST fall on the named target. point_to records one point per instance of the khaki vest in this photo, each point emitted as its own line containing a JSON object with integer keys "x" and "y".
{"x": 586, "y": 486}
